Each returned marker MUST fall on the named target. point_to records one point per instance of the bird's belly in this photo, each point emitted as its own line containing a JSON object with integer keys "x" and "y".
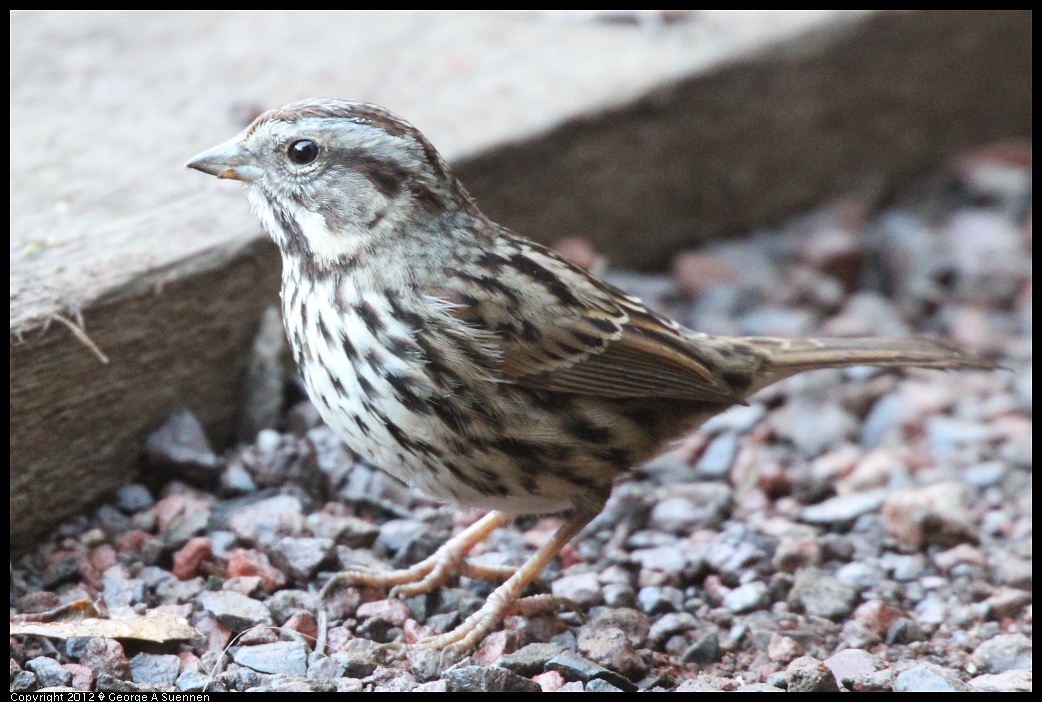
{"x": 451, "y": 463}
{"x": 419, "y": 449}
{"x": 380, "y": 399}
{"x": 359, "y": 402}
{"x": 405, "y": 400}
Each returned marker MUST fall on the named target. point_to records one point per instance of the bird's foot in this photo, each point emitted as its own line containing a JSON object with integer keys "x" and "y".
{"x": 444, "y": 566}
{"x": 449, "y": 561}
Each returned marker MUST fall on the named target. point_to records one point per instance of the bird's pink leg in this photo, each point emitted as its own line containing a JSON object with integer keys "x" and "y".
{"x": 438, "y": 569}
{"x": 505, "y": 598}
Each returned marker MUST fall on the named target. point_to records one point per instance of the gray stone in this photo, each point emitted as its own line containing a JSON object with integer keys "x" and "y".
{"x": 904, "y": 567}
{"x": 74, "y": 647}
{"x": 324, "y": 668}
{"x": 154, "y": 669}
{"x": 106, "y": 656}
{"x": 631, "y": 622}
{"x": 458, "y": 602}
{"x": 612, "y": 649}
{"x": 817, "y": 593}
{"x": 301, "y": 557}
{"x": 134, "y": 498}
{"x": 109, "y": 683}
{"x": 292, "y": 684}
{"x": 286, "y": 657}
{"x": 813, "y": 426}
{"x": 758, "y": 687}
{"x": 426, "y": 664}
{"x": 885, "y": 416}
{"x": 529, "y": 660}
{"x": 844, "y": 508}
{"x": 360, "y": 657}
{"x": 929, "y": 678}
{"x": 945, "y": 433}
{"x": 783, "y": 649}
{"x": 266, "y": 521}
{"x": 719, "y": 455}
{"x": 698, "y": 685}
{"x": 776, "y": 321}
{"x": 1007, "y": 602}
{"x": 985, "y": 474}
{"x": 655, "y": 599}
{"x": 285, "y": 603}
{"x": 24, "y": 681}
{"x": 346, "y": 530}
{"x": 861, "y": 574}
{"x": 180, "y": 448}
{"x": 192, "y": 681}
{"x": 49, "y": 672}
{"x": 904, "y": 631}
{"x": 731, "y": 553}
{"x": 349, "y": 685}
{"x": 666, "y": 559}
{"x": 670, "y": 624}
{"x": 1004, "y": 652}
{"x": 878, "y": 681}
{"x": 747, "y": 598}
{"x": 235, "y": 611}
{"x": 582, "y": 588}
{"x": 478, "y": 678}
{"x": 572, "y": 666}
{"x": 121, "y": 590}
{"x": 619, "y": 595}
{"x": 388, "y": 679}
{"x": 1007, "y": 569}
{"x": 850, "y": 664}
{"x": 1010, "y": 681}
{"x": 174, "y": 591}
{"x": 395, "y": 534}
{"x": 704, "y": 651}
{"x": 795, "y": 553}
{"x": 675, "y": 515}
{"x": 936, "y": 514}
{"x": 806, "y": 674}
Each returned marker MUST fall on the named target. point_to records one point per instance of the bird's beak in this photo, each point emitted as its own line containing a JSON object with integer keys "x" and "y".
{"x": 229, "y": 160}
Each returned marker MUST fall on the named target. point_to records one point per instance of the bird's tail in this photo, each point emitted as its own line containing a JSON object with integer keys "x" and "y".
{"x": 807, "y": 354}
{"x": 784, "y": 357}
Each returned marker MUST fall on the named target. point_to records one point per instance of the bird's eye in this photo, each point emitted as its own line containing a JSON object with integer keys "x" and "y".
{"x": 302, "y": 152}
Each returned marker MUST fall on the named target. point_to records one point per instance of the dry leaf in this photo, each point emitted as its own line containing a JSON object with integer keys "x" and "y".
{"x": 158, "y": 627}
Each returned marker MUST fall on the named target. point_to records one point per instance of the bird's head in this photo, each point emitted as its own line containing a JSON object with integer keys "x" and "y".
{"x": 330, "y": 178}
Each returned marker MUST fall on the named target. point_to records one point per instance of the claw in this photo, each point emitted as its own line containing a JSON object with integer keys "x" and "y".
{"x": 449, "y": 562}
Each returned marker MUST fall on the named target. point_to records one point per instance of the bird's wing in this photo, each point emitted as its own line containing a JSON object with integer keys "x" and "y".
{"x": 557, "y": 328}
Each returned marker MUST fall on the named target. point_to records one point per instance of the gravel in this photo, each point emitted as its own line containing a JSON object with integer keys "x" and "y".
{"x": 859, "y": 530}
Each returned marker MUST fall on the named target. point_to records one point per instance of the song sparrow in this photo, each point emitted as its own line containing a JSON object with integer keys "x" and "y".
{"x": 468, "y": 361}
